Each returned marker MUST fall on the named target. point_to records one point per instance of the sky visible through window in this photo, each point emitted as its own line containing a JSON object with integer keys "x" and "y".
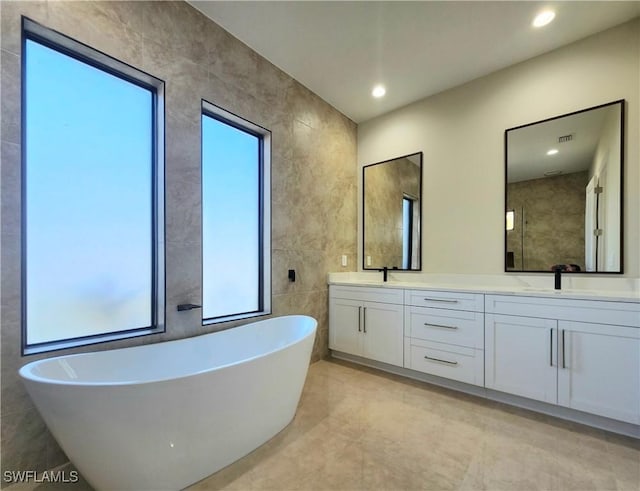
{"x": 88, "y": 199}
{"x": 230, "y": 219}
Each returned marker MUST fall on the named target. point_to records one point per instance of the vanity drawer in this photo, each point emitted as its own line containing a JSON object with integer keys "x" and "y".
{"x": 579, "y": 310}
{"x": 367, "y": 294}
{"x": 459, "y": 327}
{"x": 452, "y": 362}
{"x": 445, "y": 300}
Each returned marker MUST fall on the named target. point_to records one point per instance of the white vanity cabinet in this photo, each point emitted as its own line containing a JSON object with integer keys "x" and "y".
{"x": 584, "y": 355}
{"x": 444, "y": 334}
{"x": 599, "y": 369}
{"x": 573, "y": 356}
{"x": 521, "y": 356}
{"x": 367, "y": 322}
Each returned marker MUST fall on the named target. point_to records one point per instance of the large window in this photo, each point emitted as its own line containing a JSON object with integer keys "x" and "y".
{"x": 235, "y": 217}
{"x": 92, "y": 195}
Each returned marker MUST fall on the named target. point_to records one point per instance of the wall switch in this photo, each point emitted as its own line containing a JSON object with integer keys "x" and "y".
{"x": 368, "y": 260}
{"x": 344, "y": 259}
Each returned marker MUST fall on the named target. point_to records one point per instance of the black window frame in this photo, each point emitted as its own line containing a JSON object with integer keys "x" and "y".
{"x": 61, "y": 43}
{"x": 220, "y": 114}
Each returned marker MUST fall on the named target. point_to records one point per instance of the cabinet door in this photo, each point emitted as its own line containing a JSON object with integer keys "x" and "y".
{"x": 520, "y": 356}
{"x": 383, "y": 332}
{"x": 599, "y": 369}
{"x": 345, "y": 326}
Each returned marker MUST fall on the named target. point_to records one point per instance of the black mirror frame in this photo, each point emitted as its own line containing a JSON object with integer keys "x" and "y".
{"x": 622, "y": 103}
{"x": 364, "y": 257}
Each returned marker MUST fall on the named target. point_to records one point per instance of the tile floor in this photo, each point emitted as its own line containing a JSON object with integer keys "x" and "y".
{"x": 361, "y": 429}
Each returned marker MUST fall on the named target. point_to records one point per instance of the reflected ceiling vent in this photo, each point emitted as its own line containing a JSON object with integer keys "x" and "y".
{"x": 565, "y": 138}
{"x": 551, "y": 173}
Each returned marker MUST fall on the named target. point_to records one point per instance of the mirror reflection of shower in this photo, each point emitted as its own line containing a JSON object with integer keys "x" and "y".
{"x": 515, "y": 222}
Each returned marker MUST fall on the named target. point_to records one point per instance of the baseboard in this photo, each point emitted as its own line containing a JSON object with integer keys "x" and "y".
{"x": 600, "y": 422}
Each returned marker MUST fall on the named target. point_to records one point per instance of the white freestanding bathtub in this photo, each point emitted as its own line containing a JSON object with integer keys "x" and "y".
{"x": 166, "y": 415}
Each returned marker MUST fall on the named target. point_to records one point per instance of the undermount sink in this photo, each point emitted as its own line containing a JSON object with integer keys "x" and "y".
{"x": 552, "y": 290}
{"x": 541, "y": 290}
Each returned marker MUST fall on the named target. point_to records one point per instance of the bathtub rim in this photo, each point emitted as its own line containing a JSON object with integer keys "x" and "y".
{"x": 27, "y": 375}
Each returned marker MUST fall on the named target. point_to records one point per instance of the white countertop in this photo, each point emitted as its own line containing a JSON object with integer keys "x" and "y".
{"x": 579, "y": 288}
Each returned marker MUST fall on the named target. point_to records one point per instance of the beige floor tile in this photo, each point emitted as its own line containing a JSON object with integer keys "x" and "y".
{"x": 357, "y": 429}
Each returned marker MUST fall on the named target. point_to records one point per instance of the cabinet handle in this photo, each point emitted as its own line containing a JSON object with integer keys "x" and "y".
{"x": 359, "y": 319}
{"x": 364, "y": 318}
{"x": 440, "y": 325}
{"x": 564, "y": 365}
{"x": 441, "y": 361}
{"x": 551, "y": 347}
{"x": 445, "y": 300}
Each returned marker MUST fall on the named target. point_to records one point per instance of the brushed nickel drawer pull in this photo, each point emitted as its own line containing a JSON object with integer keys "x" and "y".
{"x": 359, "y": 319}
{"x": 441, "y": 361}
{"x": 445, "y": 300}
{"x": 440, "y": 325}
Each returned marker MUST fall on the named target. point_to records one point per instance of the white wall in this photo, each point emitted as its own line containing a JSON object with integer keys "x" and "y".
{"x": 461, "y": 132}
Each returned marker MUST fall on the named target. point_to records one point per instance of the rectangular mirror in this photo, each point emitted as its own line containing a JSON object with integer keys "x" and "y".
{"x": 392, "y": 212}
{"x": 563, "y": 192}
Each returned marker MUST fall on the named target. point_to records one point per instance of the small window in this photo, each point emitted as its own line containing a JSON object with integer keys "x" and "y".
{"x": 236, "y": 244}
{"x": 92, "y": 195}
{"x": 407, "y": 231}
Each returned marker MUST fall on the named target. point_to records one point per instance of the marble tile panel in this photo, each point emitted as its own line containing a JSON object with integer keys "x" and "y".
{"x": 99, "y": 26}
{"x": 233, "y": 60}
{"x": 179, "y": 27}
{"x": 281, "y": 143}
{"x": 313, "y": 303}
{"x": 341, "y": 234}
{"x": 302, "y": 224}
{"x": 305, "y": 106}
{"x": 183, "y": 277}
{"x": 10, "y": 101}
{"x": 15, "y": 399}
{"x": 271, "y": 87}
{"x": 24, "y": 441}
{"x": 11, "y": 24}
{"x": 183, "y": 181}
{"x": 186, "y": 81}
{"x": 223, "y": 92}
{"x": 311, "y": 269}
{"x": 11, "y": 189}
{"x": 130, "y": 14}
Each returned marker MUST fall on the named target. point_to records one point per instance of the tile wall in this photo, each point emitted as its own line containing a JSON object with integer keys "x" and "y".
{"x": 313, "y": 175}
{"x": 553, "y": 210}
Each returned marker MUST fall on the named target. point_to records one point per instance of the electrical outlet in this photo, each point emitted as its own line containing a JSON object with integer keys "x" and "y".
{"x": 344, "y": 260}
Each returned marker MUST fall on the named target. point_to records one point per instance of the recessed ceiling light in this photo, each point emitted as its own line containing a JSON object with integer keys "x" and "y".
{"x": 543, "y": 18}
{"x": 553, "y": 151}
{"x": 378, "y": 91}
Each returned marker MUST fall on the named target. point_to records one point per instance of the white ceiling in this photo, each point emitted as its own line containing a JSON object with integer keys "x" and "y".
{"x": 341, "y": 49}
